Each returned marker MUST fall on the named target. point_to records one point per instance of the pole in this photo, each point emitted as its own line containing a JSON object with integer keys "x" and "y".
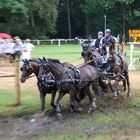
{"x": 123, "y": 38}
{"x": 17, "y": 82}
{"x": 69, "y": 21}
{"x": 104, "y": 22}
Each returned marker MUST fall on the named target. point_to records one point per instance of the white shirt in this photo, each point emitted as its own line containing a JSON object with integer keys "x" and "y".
{"x": 27, "y": 47}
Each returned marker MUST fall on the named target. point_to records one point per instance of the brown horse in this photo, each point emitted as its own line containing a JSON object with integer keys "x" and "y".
{"x": 32, "y": 66}
{"x": 68, "y": 82}
{"x": 93, "y": 55}
{"x": 118, "y": 65}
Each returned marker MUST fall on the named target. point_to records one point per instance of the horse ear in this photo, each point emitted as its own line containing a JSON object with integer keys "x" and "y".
{"x": 23, "y": 60}
{"x": 40, "y": 59}
{"x": 44, "y": 58}
{"x": 26, "y": 61}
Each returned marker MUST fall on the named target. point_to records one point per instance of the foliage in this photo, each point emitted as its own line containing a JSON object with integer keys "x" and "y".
{"x": 49, "y": 18}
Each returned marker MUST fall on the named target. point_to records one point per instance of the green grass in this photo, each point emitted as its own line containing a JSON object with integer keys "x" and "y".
{"x": 72, "y": 53}
{"x": 69, "y": 53}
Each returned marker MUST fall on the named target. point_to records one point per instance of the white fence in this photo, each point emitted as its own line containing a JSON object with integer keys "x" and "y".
{"x": 54, "y": 41}
{"x": 61, "y": 41}
{"x": 133, "y": 59}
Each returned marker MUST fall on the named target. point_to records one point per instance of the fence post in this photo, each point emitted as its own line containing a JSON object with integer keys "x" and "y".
{"x": 38, "y": 42}
{"x": 59, "y": 42}
{"x": 17, "y": 82}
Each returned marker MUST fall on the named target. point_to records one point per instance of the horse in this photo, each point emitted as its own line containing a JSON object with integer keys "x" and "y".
{"x": 118, "y": 65}
{"x": 93, "y": 55}
{"x": 68, "y": 82}
{"x": 32, "y": 66}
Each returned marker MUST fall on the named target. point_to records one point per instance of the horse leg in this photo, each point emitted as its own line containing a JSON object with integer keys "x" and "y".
{"x": 92, "y": 104}
{"x": 96, "y": 89}
{"x": 103, "y": 85}
{"x": 116, "y": 84}
{"x": 42, "y": 97}
{"x": 124, "y": 85}
{"x": 73, "y": 97}
{"x": 53, "y": 94}
{"x": 110, "y": 85}
{"x": 58, "y": 106}
{"x": 128, "y": 84}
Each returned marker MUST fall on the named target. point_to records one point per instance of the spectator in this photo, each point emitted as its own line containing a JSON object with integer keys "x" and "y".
{"x": 1, "y": 48}
{"x": 27, "y": 49}
{"x": 7, "y": 50}
{"x": 17, "y": 48}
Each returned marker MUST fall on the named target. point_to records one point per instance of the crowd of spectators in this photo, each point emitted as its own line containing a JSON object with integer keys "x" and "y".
{"x": 11, "y": 49}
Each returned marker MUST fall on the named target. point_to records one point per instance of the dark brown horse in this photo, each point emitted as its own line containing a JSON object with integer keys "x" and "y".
{"x": 68, "y": 82}
{"x": 93, "y": 55}
{"x": 32, "y": 66}
{"x": 118, "y": 65}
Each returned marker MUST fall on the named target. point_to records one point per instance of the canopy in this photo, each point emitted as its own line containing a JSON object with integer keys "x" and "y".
{"x": 5, "y": 36}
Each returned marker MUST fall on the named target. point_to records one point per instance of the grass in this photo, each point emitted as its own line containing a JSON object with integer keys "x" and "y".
{"x": 72, "y": 53}
{"x": 67, "y": 53}
{"x": 126, "y": 116}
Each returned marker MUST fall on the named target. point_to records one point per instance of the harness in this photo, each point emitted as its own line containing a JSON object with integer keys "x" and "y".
{"x": 77, "y": 77}
{"x": 48, "y": 82}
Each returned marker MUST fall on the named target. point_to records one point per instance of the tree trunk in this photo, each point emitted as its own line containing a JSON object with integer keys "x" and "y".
{"x": 32, "y": 20}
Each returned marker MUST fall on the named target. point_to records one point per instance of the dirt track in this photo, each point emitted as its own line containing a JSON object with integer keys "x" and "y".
{"x": 31, "y": 83}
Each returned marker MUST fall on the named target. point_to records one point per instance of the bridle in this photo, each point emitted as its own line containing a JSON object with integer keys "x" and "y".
{"x": 29, "y": 71}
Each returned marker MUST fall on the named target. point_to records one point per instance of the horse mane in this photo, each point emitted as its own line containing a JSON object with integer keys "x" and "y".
{"x": 92, "y": 63}
{"x": 54, "y": 60}
{"x": 36, "y": 60}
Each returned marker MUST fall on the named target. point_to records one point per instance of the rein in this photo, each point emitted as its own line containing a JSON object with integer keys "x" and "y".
{"x": 31, "y": 76}
{"x": 75, "y": 80}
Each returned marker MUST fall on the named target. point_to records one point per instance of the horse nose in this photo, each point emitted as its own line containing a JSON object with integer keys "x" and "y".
{"x": 22, "y": 79}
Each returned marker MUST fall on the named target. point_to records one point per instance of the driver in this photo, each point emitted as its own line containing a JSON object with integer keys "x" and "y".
{"x": 105, "y": 41}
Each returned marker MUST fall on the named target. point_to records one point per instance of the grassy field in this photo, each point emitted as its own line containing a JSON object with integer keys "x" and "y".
{"x": 112, "y": 120}
{"x": 72, "y": 53}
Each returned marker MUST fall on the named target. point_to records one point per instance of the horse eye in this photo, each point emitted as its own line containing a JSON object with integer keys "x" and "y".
{"x": 21, "y": 69}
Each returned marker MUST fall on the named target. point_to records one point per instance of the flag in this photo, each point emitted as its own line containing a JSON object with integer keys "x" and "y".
{"x": 123, "y": 48}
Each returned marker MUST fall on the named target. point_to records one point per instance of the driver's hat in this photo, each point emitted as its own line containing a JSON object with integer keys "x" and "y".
{"x": 100, "y": 33}
{"x": 107, "y": 31}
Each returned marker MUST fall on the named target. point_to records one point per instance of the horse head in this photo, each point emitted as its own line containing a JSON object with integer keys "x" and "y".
{"x": 44, "y": 69}
{"x": 88, "y": 55}
{"x": 27, "y": 69}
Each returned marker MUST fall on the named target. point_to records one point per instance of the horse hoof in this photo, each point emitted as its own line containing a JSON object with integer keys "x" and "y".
{"x": 59, "y": 115}
{"x": 115, "y": 97}
{"x": 53, "y": 105}
{"x": 89, "y": 111}
{"x": 129, "y": 94}
{"x": 124, "y": 89}
{"x": 79, "y": 110}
